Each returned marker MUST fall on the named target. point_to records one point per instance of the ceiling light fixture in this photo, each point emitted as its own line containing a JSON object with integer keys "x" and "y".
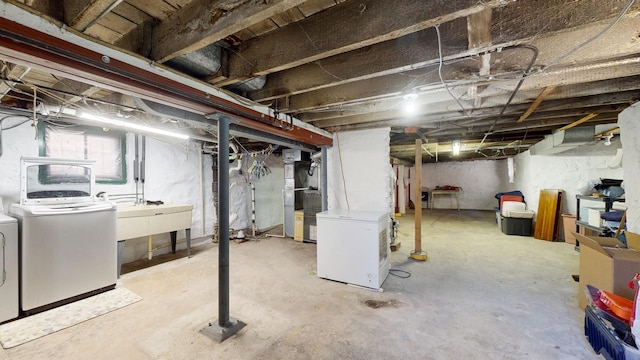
{"x": 456, "y": 147}
{"x": 608, "y": 138}
{"x": 128, "y": 125}
{"x": 410, "y": 106}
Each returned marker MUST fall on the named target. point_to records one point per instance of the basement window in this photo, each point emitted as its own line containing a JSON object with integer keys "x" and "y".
{"x": 107, "y": 148}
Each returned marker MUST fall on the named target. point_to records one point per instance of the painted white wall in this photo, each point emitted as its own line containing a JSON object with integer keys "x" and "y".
{"x": 630, "y": 135}
{"x": 480, "y": 181}
{"x": 172, "y": 175}
{"x": 573, "y": 174}
{"x": 367, "y": 172}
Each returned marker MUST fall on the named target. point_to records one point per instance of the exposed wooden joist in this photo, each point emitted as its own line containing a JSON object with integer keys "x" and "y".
{"x": 419, "y": 50}
{"x": 479, "y": 34}
{"x": 330, "y": 32}
{"x": 204, "y": 22}
{"x": 543, "y": 95}
{"x": 81, "y": 14}
{"x": 392, "y": 85}
{"x": 612, "y": 131}
{"x": 404, "y": 54}
{"x": 626, "y": 97}
{"x": 611, "y": 76}
{"x": 11, "y": 72}
{"x": 578, "y": 122}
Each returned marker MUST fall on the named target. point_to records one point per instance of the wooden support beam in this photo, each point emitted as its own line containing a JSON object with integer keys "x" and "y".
{"x": 419, "y": 50}
{"x": 612, "y": 131}
{"x": 576, "y": 123}
{"x": 330, "y": 32}
{"x": 537, "y": 102}
{"x": 479, "y": 34}
{"x": 204, "y": 22}
{"x": 81, "y": 14}
{"x": 584, "y": 103}
{"x": 12, "y": 72}
{"x": 608, "y": 92}
{"x": 418, "y": 254}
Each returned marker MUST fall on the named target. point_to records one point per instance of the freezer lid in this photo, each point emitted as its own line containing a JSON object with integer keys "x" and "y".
{"x": 46, "y": 180}
{"x": 353, "y": 215}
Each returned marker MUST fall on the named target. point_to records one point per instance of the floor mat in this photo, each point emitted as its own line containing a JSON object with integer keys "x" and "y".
{"x": 36, "y": 326}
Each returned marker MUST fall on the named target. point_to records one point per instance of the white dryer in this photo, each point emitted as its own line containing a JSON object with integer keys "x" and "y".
{"x": 8, "y": 268}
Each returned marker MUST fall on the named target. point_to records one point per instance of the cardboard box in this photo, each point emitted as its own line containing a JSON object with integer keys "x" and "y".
{"x": 607, "y": 264}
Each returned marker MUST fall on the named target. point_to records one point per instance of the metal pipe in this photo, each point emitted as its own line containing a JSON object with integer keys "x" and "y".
{"x": 202, "y": 190}
{"x": 223, "y": 222}
{"x": 149, "y": 247}
{"x": 253, "y": 209}
{"x": 136, "y": 167}
{"x": 323, "y": 179}
{"x": 143, "y": 164}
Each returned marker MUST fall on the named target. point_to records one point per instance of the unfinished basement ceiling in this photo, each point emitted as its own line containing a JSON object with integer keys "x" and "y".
{"x": 498, "y": 75}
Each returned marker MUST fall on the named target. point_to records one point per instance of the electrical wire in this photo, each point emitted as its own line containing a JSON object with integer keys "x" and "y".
{"x": 14, "y": 125}
{"x": 526, "y": 73}
{"x": 400, "y": 273}
{"x": 591, "y": 39}
{"x": 437, "y": 27}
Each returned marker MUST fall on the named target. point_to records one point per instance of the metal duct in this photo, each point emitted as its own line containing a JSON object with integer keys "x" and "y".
{"x": 248, "y": 85}
{"x": 200, "y": 63}
{"x": 563, "y": 140}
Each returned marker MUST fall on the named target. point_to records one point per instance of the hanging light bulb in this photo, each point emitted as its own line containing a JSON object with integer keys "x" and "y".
{"x": 608, "y": 138}
{"x": 410, "y": 107}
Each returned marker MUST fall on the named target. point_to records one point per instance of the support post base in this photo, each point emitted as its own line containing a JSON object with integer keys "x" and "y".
{"x": 420, "y": 256}
{"x": 219, "y": 333}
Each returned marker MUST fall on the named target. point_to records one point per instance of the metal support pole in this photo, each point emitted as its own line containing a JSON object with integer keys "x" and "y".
{"x": 323, "y": 179}
{"x": 225, "y": 326}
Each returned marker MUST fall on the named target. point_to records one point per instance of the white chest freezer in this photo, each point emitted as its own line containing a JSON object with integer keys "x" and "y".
{"x": 353, "y": 247}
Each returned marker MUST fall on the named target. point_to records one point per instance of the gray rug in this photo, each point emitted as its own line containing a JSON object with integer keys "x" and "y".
{"x": 36, "y": 326}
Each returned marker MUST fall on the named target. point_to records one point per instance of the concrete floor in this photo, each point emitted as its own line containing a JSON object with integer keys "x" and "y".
{"x": 480, "y": 295}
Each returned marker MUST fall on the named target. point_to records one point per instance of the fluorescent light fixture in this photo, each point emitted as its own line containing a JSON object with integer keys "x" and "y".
{"x": 128, "y": 125}
{"x": 456, "y": 147}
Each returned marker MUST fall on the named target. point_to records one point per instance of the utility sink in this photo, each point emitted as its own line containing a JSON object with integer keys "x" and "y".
{"x": 143, "y": 220}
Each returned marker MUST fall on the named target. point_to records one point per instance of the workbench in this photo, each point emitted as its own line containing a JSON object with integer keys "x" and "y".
{"x": 134, "y": 221}
{"x": 433, "y": 193}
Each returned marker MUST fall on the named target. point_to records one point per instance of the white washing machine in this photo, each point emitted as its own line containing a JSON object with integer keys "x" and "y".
{"x": 68, "y": 247}
{"x": 9, "y": 308}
